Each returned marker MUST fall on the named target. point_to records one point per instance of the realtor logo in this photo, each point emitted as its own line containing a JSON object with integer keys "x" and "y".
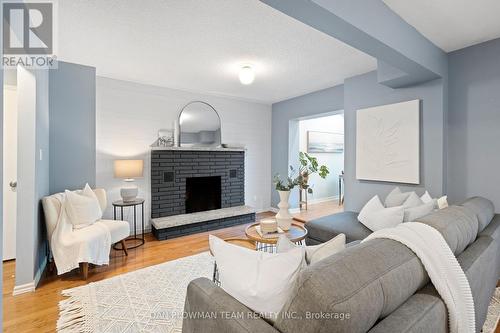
{"x": 28, "y": 34}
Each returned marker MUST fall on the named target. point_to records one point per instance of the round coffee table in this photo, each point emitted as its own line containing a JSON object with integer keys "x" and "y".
{"x": 296, "y": 234}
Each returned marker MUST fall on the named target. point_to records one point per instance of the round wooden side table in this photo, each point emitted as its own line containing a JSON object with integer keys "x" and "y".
{"x": 138, "y": 241}
{"x": 296, "y": 234}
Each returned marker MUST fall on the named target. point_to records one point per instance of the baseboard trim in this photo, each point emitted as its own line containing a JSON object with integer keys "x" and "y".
{"x": 24, "y": 288}
{"x": 31, "y": 286}
{"x": 315, "y": 201}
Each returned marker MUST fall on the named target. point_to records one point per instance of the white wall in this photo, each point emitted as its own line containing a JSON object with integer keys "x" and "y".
{"x": 323, "y": 188}
{"x": 129, "y": 115}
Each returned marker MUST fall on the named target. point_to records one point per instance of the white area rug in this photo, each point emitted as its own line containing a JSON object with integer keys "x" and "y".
{"x": 146, "y": 300}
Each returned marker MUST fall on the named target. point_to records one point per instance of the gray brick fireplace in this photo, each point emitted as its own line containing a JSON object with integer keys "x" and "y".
{"x": 195, "y": 190}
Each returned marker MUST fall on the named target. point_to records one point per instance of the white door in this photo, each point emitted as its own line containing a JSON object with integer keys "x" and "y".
{"x": 9, "y": 172}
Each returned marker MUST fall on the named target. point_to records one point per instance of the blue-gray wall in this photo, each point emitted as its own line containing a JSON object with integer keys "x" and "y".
{"x": 364, "y": 91}
{"x": 360, "y": 92}
{"x": 72, "y": 127}
{"x": 474, "y": 122}
{"x": 285, "y": 127}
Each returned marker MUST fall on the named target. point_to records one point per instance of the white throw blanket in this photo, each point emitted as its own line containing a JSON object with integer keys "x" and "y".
{"x": 442, "y": 267}
{"x": 70, "y": 247}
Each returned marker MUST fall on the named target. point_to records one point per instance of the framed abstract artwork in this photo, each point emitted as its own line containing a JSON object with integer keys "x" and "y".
{"x": 325, "y": 142}
{"x": 388, "y": 143}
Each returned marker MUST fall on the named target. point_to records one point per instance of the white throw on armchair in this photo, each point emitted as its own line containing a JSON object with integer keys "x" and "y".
{"x": 83, "y": 241}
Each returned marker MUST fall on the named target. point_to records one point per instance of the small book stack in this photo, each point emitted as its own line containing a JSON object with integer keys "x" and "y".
{"x": 268, "y": 226}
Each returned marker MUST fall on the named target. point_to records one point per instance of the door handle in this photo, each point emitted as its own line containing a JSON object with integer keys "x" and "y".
{"x": 13, "y": 184}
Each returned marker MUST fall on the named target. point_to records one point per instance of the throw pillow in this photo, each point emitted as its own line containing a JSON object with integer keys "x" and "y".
{"x": 396, "y": 198}
{"x": 442, "y": 202}
{"x": 411, "y": 214}
{"x": 314, "y": 253}
{"x": 262, "y": 281}
{"x": 426, "y": 197}
{"x": 375, "y": 216}
{"x": 413, "y": 200}
{"x": 83, "y": 208}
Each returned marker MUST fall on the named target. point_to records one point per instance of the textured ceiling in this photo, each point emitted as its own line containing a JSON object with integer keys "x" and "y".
{"x": 451, "y": 24}
{"x": 199, "y": 46}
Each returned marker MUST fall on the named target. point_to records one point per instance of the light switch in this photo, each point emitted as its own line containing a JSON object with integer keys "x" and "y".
{"x": 41, "y": 154}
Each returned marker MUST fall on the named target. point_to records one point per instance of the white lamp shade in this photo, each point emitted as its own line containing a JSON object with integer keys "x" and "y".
{"x": 129, "y": 169}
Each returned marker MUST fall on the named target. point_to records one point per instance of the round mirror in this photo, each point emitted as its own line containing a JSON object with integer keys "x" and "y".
{"x": 199, "y": 126}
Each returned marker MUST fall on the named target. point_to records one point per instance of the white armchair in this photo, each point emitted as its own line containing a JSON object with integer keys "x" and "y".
{"x": 119, "y": 230}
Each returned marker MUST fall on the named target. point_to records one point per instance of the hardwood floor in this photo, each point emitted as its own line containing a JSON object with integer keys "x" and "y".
{"x": 38, "y": 311}
{"x": 318, "y": 210}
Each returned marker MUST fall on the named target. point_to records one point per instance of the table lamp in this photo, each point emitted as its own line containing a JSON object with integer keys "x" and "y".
{"x": 128, "y": 170}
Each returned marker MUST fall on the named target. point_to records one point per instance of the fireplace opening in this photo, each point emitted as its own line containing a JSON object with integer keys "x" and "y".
{"x": 203, "y": 193}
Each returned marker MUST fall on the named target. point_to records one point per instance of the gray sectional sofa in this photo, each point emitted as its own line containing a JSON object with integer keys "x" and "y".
{"x": 376, "y": 286}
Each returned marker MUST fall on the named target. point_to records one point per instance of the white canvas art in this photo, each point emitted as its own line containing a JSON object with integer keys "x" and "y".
{"x": 388, "y": 143}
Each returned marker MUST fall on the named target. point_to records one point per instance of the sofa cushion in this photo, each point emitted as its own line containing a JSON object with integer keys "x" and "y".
{"x": 483, "y": 208}
{"x": 424, "y": 311}
{"x": 396, "y": 197}
{"x": 382, "y": 271}
{"x": 375, "y": 216}
{"x": 314, "y": 253}
{"x": 411, "y": 214}
{"x": 481, "y": 264}
{"x": 327, "y": 227}
{"x": 493, "y": 229}
{"x": 457, "y": 224}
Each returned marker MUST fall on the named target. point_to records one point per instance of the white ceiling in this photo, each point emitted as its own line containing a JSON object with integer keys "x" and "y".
{"x": 199, "y": 46}
{"x": 451, "y": 24}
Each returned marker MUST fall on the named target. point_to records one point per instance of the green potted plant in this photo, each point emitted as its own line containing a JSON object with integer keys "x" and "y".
{"x": 308, "y": 166}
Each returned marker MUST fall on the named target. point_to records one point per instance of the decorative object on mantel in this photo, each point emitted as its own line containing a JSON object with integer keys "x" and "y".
{"x": 165, "y": 139}
{"x": 388, "y": 143}
{"x": 199, "y": 125}
{"x": 308, "y": 166}
{"x": 128, "y": 170}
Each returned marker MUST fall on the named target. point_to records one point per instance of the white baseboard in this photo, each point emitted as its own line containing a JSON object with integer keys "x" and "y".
{"x": 24, "y": 288}
{"x": 315, "y": 201}
{"x": 31, "y": 286}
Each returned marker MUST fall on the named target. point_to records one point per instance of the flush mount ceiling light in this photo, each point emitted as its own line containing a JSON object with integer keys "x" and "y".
{"x": 246, "y": 75}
